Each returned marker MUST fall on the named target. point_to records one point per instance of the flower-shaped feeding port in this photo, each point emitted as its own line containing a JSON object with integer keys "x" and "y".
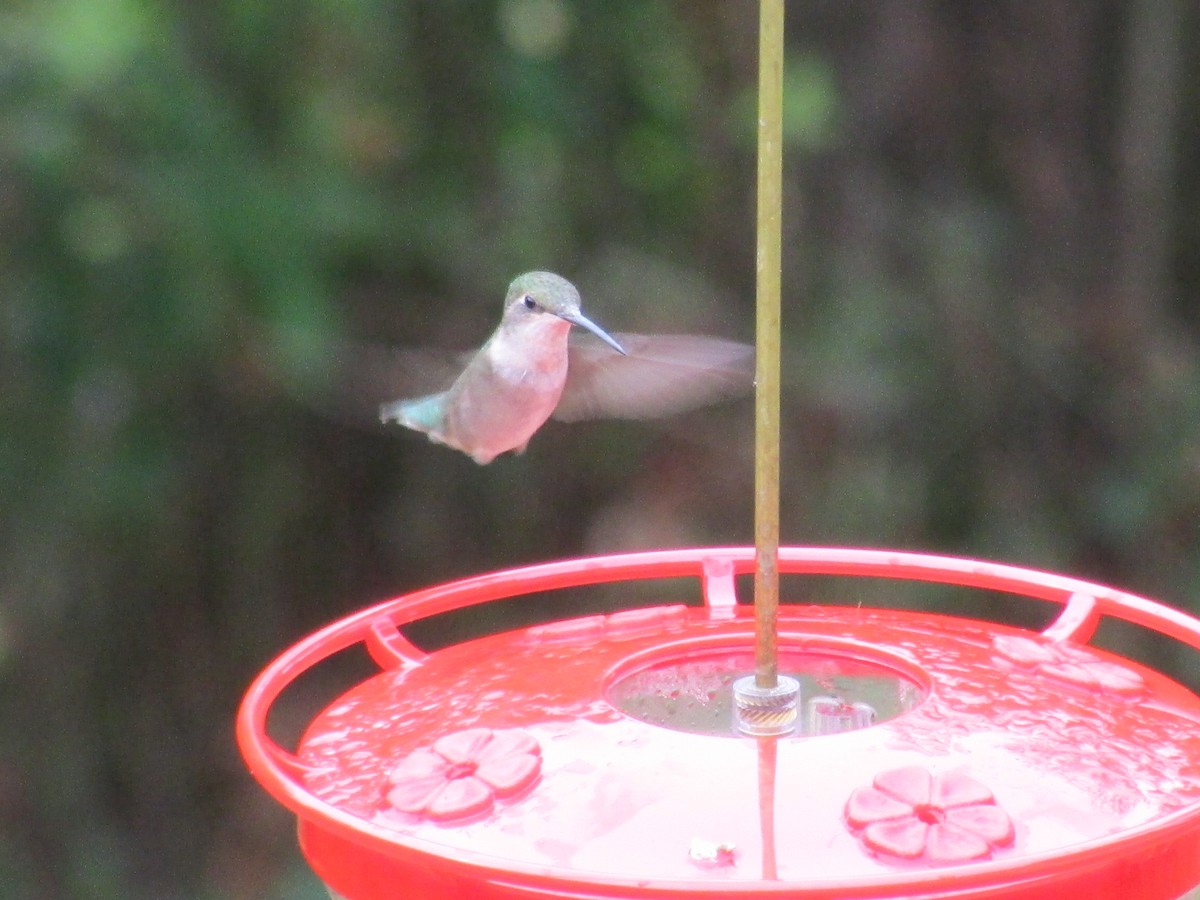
{"x": 462, "y": 773}
{"x": 944, "y": 819}
{"x": 1068, "y": 663}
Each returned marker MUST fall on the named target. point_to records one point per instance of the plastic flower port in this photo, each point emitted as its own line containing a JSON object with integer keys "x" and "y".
{"x": 912, "y": 814}
{"x": 462, "y": 773}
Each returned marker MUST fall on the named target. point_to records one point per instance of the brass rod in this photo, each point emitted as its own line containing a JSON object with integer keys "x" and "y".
{"x": 766, "y": 405}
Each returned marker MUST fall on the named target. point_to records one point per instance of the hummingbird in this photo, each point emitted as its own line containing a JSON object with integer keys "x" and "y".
{"x": 532, "y": 368}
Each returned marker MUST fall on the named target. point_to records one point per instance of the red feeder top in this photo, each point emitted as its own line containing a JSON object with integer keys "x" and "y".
{"x": 933, "y": 756}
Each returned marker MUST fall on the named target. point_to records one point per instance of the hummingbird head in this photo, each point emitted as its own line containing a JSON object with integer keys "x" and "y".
{"x": 544, "y": 293}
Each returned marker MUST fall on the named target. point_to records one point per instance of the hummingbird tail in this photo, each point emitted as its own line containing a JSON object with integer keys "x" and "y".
{"x": 422, "y": 414}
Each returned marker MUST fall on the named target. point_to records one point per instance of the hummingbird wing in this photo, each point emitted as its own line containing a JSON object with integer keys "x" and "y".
{"x": 374, "y": 372}
{"x": 351, "y": 379}
{"x": 660, "y": 375}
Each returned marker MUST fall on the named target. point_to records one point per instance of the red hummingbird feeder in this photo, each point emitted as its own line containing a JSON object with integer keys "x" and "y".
{"x": 926, "y": 756}
{"x": 874, "y": 753}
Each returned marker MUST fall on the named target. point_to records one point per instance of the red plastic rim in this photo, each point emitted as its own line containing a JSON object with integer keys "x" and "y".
{"x": 377, "y": 627}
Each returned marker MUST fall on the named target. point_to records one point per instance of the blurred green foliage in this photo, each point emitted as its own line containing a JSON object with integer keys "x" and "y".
{"x": 991, "y": 337}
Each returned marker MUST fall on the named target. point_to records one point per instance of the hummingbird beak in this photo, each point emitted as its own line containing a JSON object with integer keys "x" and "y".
{"x": 584, "y": 322}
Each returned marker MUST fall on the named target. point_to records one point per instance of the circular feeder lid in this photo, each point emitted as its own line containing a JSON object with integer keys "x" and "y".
{"x": 932, "y": 756}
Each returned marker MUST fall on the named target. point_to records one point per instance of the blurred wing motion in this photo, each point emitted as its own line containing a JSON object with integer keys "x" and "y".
{"x": 353, "y": 378}
{"x": 662, "y": 374}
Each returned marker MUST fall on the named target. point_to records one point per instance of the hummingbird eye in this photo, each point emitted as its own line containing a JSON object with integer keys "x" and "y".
{"x": 530, "y": 303}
